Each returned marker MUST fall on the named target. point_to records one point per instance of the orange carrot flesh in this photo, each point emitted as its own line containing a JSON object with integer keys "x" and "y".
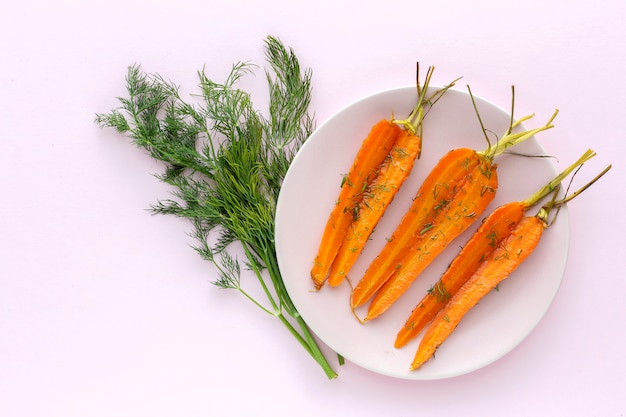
{"x": 376, "y": 198}
{"x": 484, "y": 241}
{"x": 494, "y": 229}
{"x": 472, "y": 200}
{"x": 389, "y": 284}
{"x": 373, "y": 151}
{"x": 509, "y": 249}
{"x": 437, "y": 190}
{"x": 499, "y": 265}
{"x": 361, "y": 175}
{"x": 489, "y": 235}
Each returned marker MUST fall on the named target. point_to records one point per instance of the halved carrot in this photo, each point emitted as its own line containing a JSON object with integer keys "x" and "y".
{"x": 494, "y": 228}
{"x": 455, "y": 165}
{"x": 377, "y": 196}
{"x": 468, "y": 204}
{"x": 497, "y": 265}
{"x": 365, "y": 168}
{"x": 426, "y": 236}
{"x": 373, "y": 151}
{"x": 488, "y": 236}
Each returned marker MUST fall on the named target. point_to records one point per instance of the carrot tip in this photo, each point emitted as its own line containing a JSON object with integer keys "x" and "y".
{"x": 317, "y": 283}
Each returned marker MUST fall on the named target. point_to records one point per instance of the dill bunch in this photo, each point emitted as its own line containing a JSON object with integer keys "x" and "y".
{"x": 226, "y": 162}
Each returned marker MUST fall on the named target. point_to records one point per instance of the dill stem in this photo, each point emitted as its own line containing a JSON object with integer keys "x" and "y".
{"x": 244, "y": 293}
{"x": 314, "y": 349}
{"x": 255, "y": 302}
{"x": 259, "y": 276}
{"x": 274, "y": 272}
{"x": 308, "y": 342}
{"x": 304, "y": 337}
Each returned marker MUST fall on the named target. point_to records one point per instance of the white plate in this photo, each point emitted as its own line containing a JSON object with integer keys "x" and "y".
{"x": 500, "y": 321}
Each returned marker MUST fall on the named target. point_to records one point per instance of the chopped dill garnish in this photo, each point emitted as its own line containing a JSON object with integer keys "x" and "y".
{"x": 440, "y": 292}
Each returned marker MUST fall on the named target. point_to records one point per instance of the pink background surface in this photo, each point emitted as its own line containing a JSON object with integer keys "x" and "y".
{"x": 106, "y": 311}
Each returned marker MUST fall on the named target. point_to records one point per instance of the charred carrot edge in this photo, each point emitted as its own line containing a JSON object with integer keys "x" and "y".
{"x": 496, "y": 267}
{"x": 435, "y": 192}
{"x": 376, "y": 199}
{"x": 376, "y": 281}
{"x": 472, "y": 200}
{"x": 485, "y": 240}
{"x": 342, "y": 217}
{"x": 373, "y": 151}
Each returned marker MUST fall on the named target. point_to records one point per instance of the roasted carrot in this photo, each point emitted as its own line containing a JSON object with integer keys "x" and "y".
{"x": 498, "y": 264}
{"x": 467, "y": 205}
{"x": 371, "y": 158}
{"x": 488, "y": 237}
{"x": 420, "y": 238}
{"x": 494, "y": 228}
{"x": 455, "y": 166}
{"x": 373, "y": 151}
{"x": 377, "y": 196}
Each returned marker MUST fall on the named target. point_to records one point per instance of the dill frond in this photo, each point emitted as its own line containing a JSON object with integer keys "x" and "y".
{"x": 225, "y": 163}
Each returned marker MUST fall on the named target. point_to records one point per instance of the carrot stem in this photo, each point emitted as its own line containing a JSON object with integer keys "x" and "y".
{"x": 546, "y": 209}
{"x": 509, "y": 138}
{"x": 413, "y": 123}
{"x": 567, "y": 199}
{"x": 551, "y": 186}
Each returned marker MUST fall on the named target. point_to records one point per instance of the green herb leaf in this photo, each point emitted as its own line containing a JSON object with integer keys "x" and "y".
{"x": 225, "y": 163}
